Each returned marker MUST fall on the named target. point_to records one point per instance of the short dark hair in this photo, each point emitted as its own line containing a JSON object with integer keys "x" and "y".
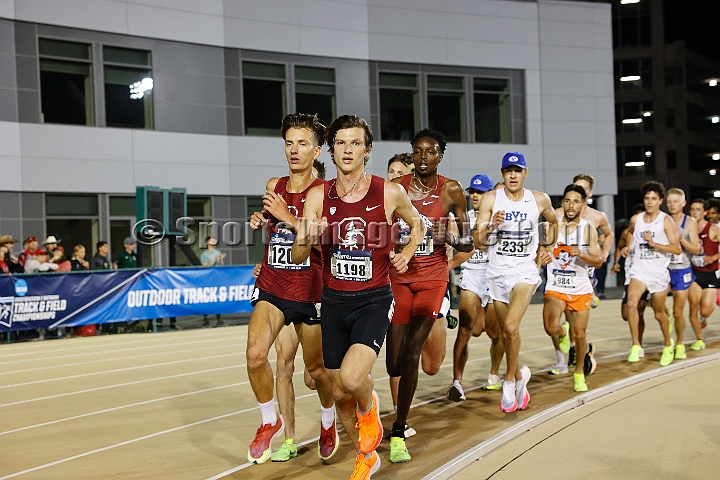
{"x": 584, "y": 176}
{"x": 575, "y": 188}
{"x": 100, "y": 244}
{"x": 320, "y": 167}
{"x": 434, "y": 134}
{"x": 343, "y": 122}
{"x": 304, "y": 120}
{"x": 404, "y": 158}
{"x": 653, "y": 186}
{"x": 207, "y": 239}
{"x": 713, "y": 203}
{"x": 638, "y": 207}
{"x": 702, "y": 202}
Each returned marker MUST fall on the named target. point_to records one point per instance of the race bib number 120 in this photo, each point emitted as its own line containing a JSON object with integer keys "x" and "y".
{"x": 279, "y": 253}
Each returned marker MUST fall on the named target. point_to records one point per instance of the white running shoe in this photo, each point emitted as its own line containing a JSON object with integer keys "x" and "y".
{"x": 508, "y": 402}
{"x": 642, "y": 353}
{"x": 455, "y": 392}
{"x": 558, "y": 369}
{"x": 493, "y": 383}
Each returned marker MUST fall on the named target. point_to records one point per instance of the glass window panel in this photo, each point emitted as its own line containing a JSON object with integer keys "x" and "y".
{"x": 264, "y": 106}
{"x": 398, "y": 80}
{"x": 66, "y": 93}
{"x": 492, "y": 118}
{"x": 122, "y": 206}
{"x": 636, "y": 161}
{"x": 199, "y": 207}
{"x": 399, "y": 118}
{"x": 126, "y": 55}
{"x": 315, "y": 74}
{"x": 446, "y": 114}
{"x": 491, "y": 84}
{"x": 436, "y": 82}
{"x": 120, "y": 109}
{"x": 57, "y": 48}
{"x": 315, "y": 89}
{"x": 266, "y": 70}
{"x": 256, "y": 248}
{"x": 76, "y": 231}
{"x": 57, "y": 205}
{"x": 319, "y": 99}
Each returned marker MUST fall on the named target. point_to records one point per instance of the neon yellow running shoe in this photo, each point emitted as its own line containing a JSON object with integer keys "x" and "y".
{"x": 634, "y": 354}
{"x": 668, "y": 355}
{"x": 564, "y": 341}
{"x": 697, "y": 345}
{"x": 398, "y": 450}
{"x": 286, "y": 451}
{"x": 579, "y": 380}
{"x": 680, "y": 352}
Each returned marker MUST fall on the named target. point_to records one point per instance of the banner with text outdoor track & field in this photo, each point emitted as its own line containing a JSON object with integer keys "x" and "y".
{"x": 54, "y": 300}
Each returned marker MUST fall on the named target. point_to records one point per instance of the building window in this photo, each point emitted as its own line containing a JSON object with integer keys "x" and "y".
{"x": 74, "y": 220}
{"x": 493, "y": 121}
{"x": 465, "y": 107}
{"x": 636, "y": 161}
{"x": 399, "y": 106}
{"x": 66, "y": 82}
{"x": 264, "y": 97}
{"x": 634, "y": 117}
{"x": 315, "y": 92}
{"x": 633, "y": 74}
{"x": 128, "y": 88}
{"x": 631, "y": 23}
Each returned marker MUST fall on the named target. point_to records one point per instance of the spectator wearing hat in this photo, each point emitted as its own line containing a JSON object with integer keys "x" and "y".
{"x": 31, "y": 250}
{"x": 127, "y": 258}
{"x": 100, "y": 260}
{"x": 11, "y": 262}
{"x": 39, "y": 263}
{"x": 60, "y": 260}
{"x": 78, "y": 262}
{"x": 50, "y": 245}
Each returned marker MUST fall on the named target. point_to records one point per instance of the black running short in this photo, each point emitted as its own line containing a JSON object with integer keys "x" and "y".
{"x": 646, "y": 297}
{"x": 707, "y": 279}
{"x": 354, "y": 317}
{"x": 294, "y": 312}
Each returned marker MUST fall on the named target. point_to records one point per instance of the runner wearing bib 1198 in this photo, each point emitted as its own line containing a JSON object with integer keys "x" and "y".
{"x": 654, "y": 236}
{"x": 507, "y": 224}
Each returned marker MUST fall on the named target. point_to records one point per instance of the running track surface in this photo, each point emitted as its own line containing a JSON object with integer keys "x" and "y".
{"x": 178, "y": 404}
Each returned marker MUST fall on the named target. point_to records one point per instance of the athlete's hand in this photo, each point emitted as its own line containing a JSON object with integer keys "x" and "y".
{"x": 544, "y": 258}
{"x": 257, "y": 221}
{"x": 498, "y": 218}
{"x": 604, "y": 256}
{"x": 647, "y": 236}
{"x": 615, "y": 268}
{"x": 624, "y": 252}
{"x": 277, "y": 207}
{"x": 399, "y": 261}
{"x": 256, "y": 270}
{"x": 317, "y": 227}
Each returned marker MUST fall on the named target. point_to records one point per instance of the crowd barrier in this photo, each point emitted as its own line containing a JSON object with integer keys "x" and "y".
{"x": 74, "y": 299}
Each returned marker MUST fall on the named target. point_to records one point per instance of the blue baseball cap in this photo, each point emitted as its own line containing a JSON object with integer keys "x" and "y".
{"x": 513, "y": 159}
{"x": 481, "y": 183}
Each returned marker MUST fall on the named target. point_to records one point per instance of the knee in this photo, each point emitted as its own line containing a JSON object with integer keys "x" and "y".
{"x": 511, "y": 331}
{"x": 285, "y": 368}
{"x": 315, "y": 372}
{"x": 431, "y": 368}
{"x": 580, "y": 335}
{"x": 351, "y": 381}
{"x": 256, "y": 356}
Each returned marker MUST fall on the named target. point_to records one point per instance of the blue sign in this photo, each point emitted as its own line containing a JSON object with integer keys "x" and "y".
{"x": 66, "y": 300}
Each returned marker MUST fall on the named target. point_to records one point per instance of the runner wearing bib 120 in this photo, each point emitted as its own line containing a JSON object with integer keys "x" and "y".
{"x": 654, "y": 237}
{"x": 507, "y": 224}
{"x": 568, "y": 287}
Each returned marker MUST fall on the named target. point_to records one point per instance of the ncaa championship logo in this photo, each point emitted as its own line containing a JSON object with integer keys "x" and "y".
{"x": 6, "y": 309}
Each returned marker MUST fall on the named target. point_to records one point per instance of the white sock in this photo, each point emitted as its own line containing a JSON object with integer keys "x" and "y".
{"x": 560, "y": 357}
{"x": 267, "y": 410}
{"x": 395, "y": 408}
{"x": 327, "y": 416}
{"x": 572, "y": 344}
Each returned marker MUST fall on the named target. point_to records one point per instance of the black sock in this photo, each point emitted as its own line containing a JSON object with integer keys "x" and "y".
{"x": 398, "y": 431}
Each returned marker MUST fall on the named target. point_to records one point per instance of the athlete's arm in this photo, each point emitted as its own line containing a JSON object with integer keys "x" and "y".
{"x": 628, "y": 233}
{"x": 692, "y": 244}
{"x": 592, "y": 257}
{"x": 258, "y": 219}
{"x": 618, "y": 249}
{"x": 311, "y": 225}
{"x": 550, "y": 229}
{"x": 458, "y": 259}
{"x": 397, "y": 203}
{"x": 604, "y": 225}
{"x": 671, "y": 233}
{"x": 462, "y": 242}
{"x": 714, "y": 235}
{"x": 486, "y": 222}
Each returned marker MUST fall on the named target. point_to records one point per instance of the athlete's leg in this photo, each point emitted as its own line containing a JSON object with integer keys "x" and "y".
{"x": 497, "y": 347}
{"x": 553, "y": 309}
{"x": 469, "y": 320}
{"x": 510, "y": 320}
{"x": 286, "y": 345}
{"x": 354, "y": 380}
{"x": 695, "y": 297}
{"x": 415, "y": 337}
{"x": 642, "y": 305}
{"x": 657, "y": 302}
{"x": 311, "y": 339}
{"x": 393, "y": 349}
{"x": 635, "y": 290}
{"x": 579, "y": 323}
{"x": 679, "y": 299}
{"x": 433, "y": 353}
{"x": 707, "y": 303}
{"x": 265, "y": 324}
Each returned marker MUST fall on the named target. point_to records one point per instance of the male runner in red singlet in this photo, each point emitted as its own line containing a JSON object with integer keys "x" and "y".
{"x": 351, "y": 219}
{"x": 419, "y": 292}
{"x": 703, "y": 291}
{"x": 286, "y": 293}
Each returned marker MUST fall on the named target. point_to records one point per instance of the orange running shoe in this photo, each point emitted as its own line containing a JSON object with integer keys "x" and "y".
{"x": 261, "y": 446}
{"x": 365, "y": 467}
{"x": 370, "y": 427}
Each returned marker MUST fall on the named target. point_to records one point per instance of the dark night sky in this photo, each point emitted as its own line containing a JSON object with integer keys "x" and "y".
{"x": 695, "y": 21}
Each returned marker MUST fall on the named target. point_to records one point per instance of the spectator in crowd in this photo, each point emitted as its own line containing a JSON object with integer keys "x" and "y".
{"x": 11, "y": 261}
{"x": 39, "y": 263}
{"x": 78, "y": 262}
{"x": 101, "y": 261}
{"x": 50, "y": 245}
{"x": 318, "y": 169}
{"x": 60, "y": 260}
{"x": 30, "y": 246}
{"x": 4, "y": 267}
{"x": 127, "y": 258}
{"x": 398, "y": 164}
{"x": 212, "y": 257}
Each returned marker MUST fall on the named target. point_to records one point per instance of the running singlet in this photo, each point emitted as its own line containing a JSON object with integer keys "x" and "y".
{"x": 479, "y": 259}
{"x": 567, "y": 273}
{"x": 430, "y": 260}
{"x": 278, "y": 275}
{"x": 356, "y": 244}
{"x": 708, "y": 247}
{"x": 647, "y": 259}
{"x": 680, "y": 261}
{"x": 515, "y": 239}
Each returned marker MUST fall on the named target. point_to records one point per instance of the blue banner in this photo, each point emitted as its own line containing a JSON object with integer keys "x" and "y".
{"x": 84, "y": 298}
